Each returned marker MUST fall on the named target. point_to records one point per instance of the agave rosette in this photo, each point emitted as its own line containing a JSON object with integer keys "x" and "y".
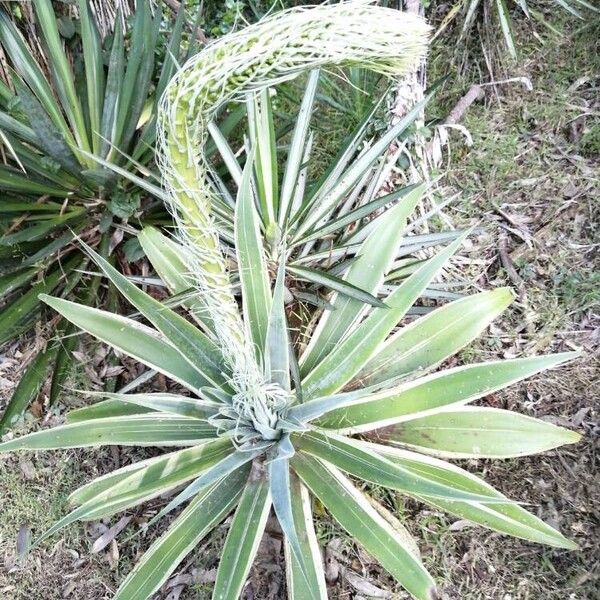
{"x": 274, "y": 417}
{"x": 75, "y": 127}
{"x": 365, "y": 406}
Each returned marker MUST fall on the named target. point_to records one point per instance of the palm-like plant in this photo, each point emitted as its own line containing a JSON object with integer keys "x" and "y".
{"x": 95, "y": 101}
{"x": 261, "y": 429}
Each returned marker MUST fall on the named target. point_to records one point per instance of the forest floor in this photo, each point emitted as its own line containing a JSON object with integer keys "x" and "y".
{"x": 531, "y": 180}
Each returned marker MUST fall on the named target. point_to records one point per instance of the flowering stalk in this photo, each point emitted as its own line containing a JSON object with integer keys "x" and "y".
{"x": 276, "y": 49}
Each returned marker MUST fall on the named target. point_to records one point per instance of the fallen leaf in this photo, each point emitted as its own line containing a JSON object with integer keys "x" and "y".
{"x": 363, "y": 586}
{"x": 23, "y": 540}
{"x": 109, "y": 535}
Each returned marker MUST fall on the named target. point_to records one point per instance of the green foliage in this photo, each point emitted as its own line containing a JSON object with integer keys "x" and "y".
{"x": 85, "y": 100}
{"x": 314, "y": 446}
{"x": 501, "y": 12}
{"x": 327, "y": 427}
{"x": 295, "y": 412}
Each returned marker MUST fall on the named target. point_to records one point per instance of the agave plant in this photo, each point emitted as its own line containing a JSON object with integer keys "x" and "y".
{"x": 269, "y": 420}
{"x": 56, "y": 122}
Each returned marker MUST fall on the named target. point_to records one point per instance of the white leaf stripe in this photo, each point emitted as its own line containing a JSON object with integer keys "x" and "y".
{"x": 190, "y": 342}
{"x": 360, "y": 460}
{"x": 106, "y": 497}
{"x": 480, "y": 432}
{"x": 161, "y": 559}
{"x": 243, "y": 539}
{"x": 375, "y": 258}
{"x": 506, "y": 517}
{"x": 252, "y": 268}
{"x": 431, "y": 339}
{"x": 150, "y": 430}
{"x": 303, "y": 517}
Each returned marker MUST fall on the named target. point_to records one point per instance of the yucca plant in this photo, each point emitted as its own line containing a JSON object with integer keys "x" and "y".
{"x": 92, "y": 100}
{"x": 260, "y": 429}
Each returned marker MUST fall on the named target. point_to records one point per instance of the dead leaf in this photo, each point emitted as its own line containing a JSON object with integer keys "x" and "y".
{"x": 27, "y": 469}
{"x": 363, "y": 586}
{"x": 113, "y": 554}
{"x": 460, "y": 525}
{"x": 109, "y": 535}
{"x": 23, "y": 540}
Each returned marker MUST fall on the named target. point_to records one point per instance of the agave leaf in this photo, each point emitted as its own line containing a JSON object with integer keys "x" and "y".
{"x": 437, "y": 392}
{"x": 508, "y": 517}
{"x": 335, "y": 283}
{"x": 133, "y": 430}
{"x": 168, "y": 259}
{"x": 262, "y": 137}
{"x": 317, "y": 407}
{"x": 141, "y": 182}
{"x": 476, "y": 432}
{"x": 104, "y": 409}
{"x": 277, "y": 360}
{"x": 40, "y": 230}
{"x": 328, "y": 179}
{"x": 353, "y": 353}
{"x": 571, "y": 9}
{"x": 358, "y": 168}
{"x": 244, "y": 536}
{"x": 130, "y": 487}
{"x": 21, "y": 310}
{"x": 588, "y": 5}
{"x": 506, "y": 26}
{"x": 167, "y": 472}
{"x": 281, "y": 494}
{"x": 428, "y": 341}
{"x": 133, "y": 338}
{"x": 297, "y": 587}
{"x": 198, "y": 519}
{"x": 169, "y": 68}
{"x": 94, "y": 488}
{"x": 128, "y": 78}
{"x": 252, "y": 266}
{"x": 112, "y": 90}
{"x": 13, "y": 281}
{"x": 64, "y": 79}
{"x": 94, "y": 72}
{"x": 138, "y": 72}
{"x": 201, "y": 352}
{"x": 28, "y": 68}
{"x": 230, "y": 464}
{"x": 173, "y": 404}
{"x": 353, "y": 511}
{"x": 11, "y": 180}
{"x": 355, "y": 458}
{"x": 297, "y": 149}
{"x": 228, "y": 155}
{"x": 48, "y": 137}
{"x": 374, "y": 259}
{"x": 470, "y": 14}
{"x": 355, "y": 215}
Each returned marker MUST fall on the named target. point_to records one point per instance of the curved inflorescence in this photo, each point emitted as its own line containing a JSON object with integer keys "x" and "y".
{"x": 276, "y": 49}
